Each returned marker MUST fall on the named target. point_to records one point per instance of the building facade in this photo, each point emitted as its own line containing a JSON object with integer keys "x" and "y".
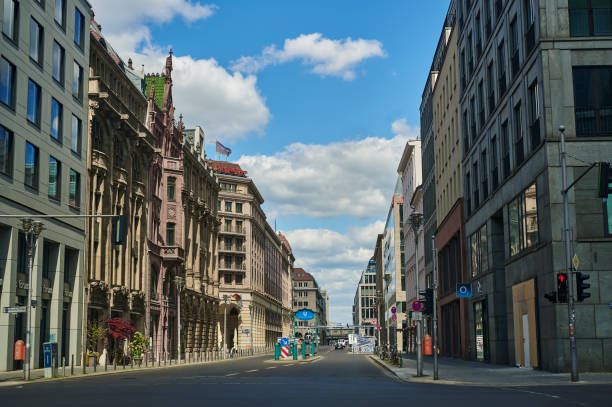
{"x": 365, "y": 315}
{"x": 119, "y": 152}
{"x": 307, "y": 294}
{"x": 254, "y": 264}
{"x": 43, "y": 165}
{"x": 409, "y": 171}
{"x": 526, "y": 68}
{"x": 450, "y": 239}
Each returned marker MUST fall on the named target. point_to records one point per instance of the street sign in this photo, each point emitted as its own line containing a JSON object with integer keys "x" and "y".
{"x": 575, "y": 262}
{"x": 284, "y": 342}
{"x": 417, "y": 316}
{"x": 393, "y": 310}
{"x": 394, "y": 317}
{"x": 245, "y": 331}
{"x": 416, "y": 305}
{"x": 15, "y": 310}
{"x": 464, "y": 290}
{"x": 304, "y": 314}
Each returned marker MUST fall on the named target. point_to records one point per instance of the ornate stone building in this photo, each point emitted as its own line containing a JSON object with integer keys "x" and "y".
{"x": 119, "y": 151}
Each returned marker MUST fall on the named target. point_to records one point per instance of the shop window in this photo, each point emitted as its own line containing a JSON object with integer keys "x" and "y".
{"x": 479, "y": 251}
{"x": 523, "y": 221}
{"x": 481, "y": 332}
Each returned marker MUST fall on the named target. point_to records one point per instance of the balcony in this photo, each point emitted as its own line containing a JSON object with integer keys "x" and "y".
{"x": 99, "y": 159}
{"x": 232, "y": 267}
{"x": 121, "y": 175}
{"x": 233, "y": 230}
{"x": 232, "y": 248}
{"x": 593, "y": 122}
{"x": 172, "y": 253}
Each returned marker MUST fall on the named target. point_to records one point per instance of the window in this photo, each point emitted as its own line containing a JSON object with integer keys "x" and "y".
{"x": 228, "y": 206}
{"x": 494, "y": 170}
{"x": 238, "y": 207}
{"x": 41, "y": 3}
{"x": 33, "y": 102}
{"x": 7, "y": 83}
{"x": 75, "y": 142}
{"x": 523, "y": 221}
{"x": 462, "y": 69}
{"x": 227, "y": 278}
{"x": 470, "y": 55}
{"x": 477, "y": 32}
{"x": 519, "y": 150}
{"x": 534, "y": 115}
{"x": 473, "y": 134}
{"x": 36, "y": 42}
{"x": 514, "y": 47}
{"x": 590, "y": 17}
{"x": 484, "y": 174}
{"x": 6, "y": 151}
{"x": 468, "y": 193}
{"x": 55, "y": 177}
{"x": 57, "y": 112}
{"x": 74, "y": 198}
{"x": 171, "y": 189}
{"x": 10, "y": 20}
{"x": 479, "y": 251}
{"x": 466, "y": 134}
{"x": 530, "y": 13}
{"x": 487, "y": 12}
{"x": 476, "y": 191}
{"x": 490, "y": 88}
{"x": 501, "y": 70}
{"x": 170, "y": 228}
{"x": 77, "y": 82}
{"x": 593, "y": 101}
{"x": 79, "y": 26}
{"x": 218, "y": 205}
{"x": 505, "y": 150}
{"x": 31, "y": 166}
{"x": 60, "y": 13}
{"x": 58, "y": 63}
{"x": 481, "y": 106}
{"x": 608, "y": 213}
{"x": 239, "y": 279}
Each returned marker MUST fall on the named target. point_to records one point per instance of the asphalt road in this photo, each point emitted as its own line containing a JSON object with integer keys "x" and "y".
{"x": 337, "y": 379}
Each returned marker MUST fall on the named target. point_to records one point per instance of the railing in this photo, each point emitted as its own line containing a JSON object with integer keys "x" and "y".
{"x": 176, "y": 252}
{"x": 235, "y": 229}
{"x": 239, "y": 267}
{"x": 592, "y": 122}
{"x": 232, "y": 248}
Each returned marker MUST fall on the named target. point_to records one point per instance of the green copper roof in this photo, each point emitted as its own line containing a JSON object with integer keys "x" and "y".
{"x": 160, "y": 82}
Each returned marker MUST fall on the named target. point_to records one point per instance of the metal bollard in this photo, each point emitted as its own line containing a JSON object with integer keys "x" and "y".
{"x": 106, "y": 364}
{"x": 84, "y": 368}
{"x": 115, "y": 363}
{"x": 72, "y": 365}
{"x": 158, "y": 362}
{"x": 95, "y": 364}
{"x": 132, "y": 362}
{"x": 146, "y": 360}
{"x": 64, "y": 365}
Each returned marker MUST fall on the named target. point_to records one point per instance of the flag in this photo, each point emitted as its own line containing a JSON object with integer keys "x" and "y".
{"x": 221, "y": 149}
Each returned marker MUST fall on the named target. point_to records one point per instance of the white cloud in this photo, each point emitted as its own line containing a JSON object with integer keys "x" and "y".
{"x": 402, "y": 128}
{"x": 326, "y": 57}
{"x": 227, "y": 105}
{"x": 336, "y": 260}
{"x": 353, "y": 178}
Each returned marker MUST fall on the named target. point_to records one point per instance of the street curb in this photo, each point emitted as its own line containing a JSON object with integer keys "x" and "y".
{"x": 14, "y": 383}
{"x": 384, "y": 366}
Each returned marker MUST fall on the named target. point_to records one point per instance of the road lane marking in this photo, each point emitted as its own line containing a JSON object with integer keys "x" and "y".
{"x": 271, "y": 367}
{"x": 251, "y": 371}
{"x": 231, "y": 374}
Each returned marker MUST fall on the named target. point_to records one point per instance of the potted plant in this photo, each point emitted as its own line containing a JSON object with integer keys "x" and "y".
{"x": 95, "y": 334}
{"x": 138, "y": 346}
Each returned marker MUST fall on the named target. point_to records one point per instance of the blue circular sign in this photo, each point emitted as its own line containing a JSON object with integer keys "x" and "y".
{"x": 304, "y": 315}
{"x": 284, "y": 342}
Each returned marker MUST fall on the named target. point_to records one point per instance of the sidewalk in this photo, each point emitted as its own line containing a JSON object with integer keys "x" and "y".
{"x": 464, "y": 373}
{"x": 15, "y": 377}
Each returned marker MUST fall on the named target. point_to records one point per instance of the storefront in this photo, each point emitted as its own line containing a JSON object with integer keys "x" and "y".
{"x": 481, "y": 337}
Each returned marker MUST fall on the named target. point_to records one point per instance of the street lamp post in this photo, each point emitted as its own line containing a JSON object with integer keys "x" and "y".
{"x": 32, "y": 230}
{"x": 225, "y": 298}
{"x": 180, "y": 283}
{"x": 416, "y": 221}
{"x": 251, "y": 330}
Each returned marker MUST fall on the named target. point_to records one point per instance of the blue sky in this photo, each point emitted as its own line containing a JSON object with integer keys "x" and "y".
{"x": 315, "y": 98}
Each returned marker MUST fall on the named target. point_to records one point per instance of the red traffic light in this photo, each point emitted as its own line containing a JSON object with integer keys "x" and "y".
{"x": 561, "y": 278}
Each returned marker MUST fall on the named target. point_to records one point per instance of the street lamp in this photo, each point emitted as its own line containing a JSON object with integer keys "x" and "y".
{"x": 180, "y": 283}
{"x": 251, "y": 331}
{"x": 225, "y": 298}
{"x": 32, "y": 230}
{"x": 415, "y": 220}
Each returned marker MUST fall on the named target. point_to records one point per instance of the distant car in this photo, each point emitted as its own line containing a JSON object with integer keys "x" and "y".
{"x": 339, "y": 345}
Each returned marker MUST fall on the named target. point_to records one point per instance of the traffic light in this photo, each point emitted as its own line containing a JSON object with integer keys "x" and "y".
{"x": 605, "y": 180}
{"x": 427, "y": 301}
{"x": 562, "y": 288}
{"x": 119, "y": 230}
{"x": 582, "y": 286}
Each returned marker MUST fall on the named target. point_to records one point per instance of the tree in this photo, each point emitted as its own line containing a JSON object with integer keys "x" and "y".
{"x": 95, "y": 334}
{"x": 119, "y": 328}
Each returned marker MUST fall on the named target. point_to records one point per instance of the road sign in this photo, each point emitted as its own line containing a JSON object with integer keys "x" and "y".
{"x": 394, "y": 317}
{"x": 417, "y": 305}
{"x": 417, "y": 316}
{"x": 464, "y": 290}
{"x": 304, "y": 314}
{"x": 15, "y": 310}
{"x": 393, "y": 310}
{"x": 284, "y": 342}
{"x": 575, "y": 262}
{"x": 245, "y": 331}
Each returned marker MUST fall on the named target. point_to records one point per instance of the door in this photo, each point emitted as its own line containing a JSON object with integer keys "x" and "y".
{"x": 526, "y": 357}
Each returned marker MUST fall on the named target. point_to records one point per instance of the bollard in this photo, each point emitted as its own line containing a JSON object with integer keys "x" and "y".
{"x": 64, "y": 365}
{"x": 106, "y": 364}
{"x": 146, "y": 360}
{"x": 84, "y": 368}
{"x": 115, "y": 363}
{"x": 132, "y": 362}
{"x": 158, "y": 362}
{"x": 95, "y": 364}
{"x": 72, "y": 365}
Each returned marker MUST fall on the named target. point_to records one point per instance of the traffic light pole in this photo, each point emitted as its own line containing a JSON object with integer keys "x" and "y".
{"x": 419, "y": 322}
{"x": 435, "y": 307}
{"x": 568, "y": 262}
